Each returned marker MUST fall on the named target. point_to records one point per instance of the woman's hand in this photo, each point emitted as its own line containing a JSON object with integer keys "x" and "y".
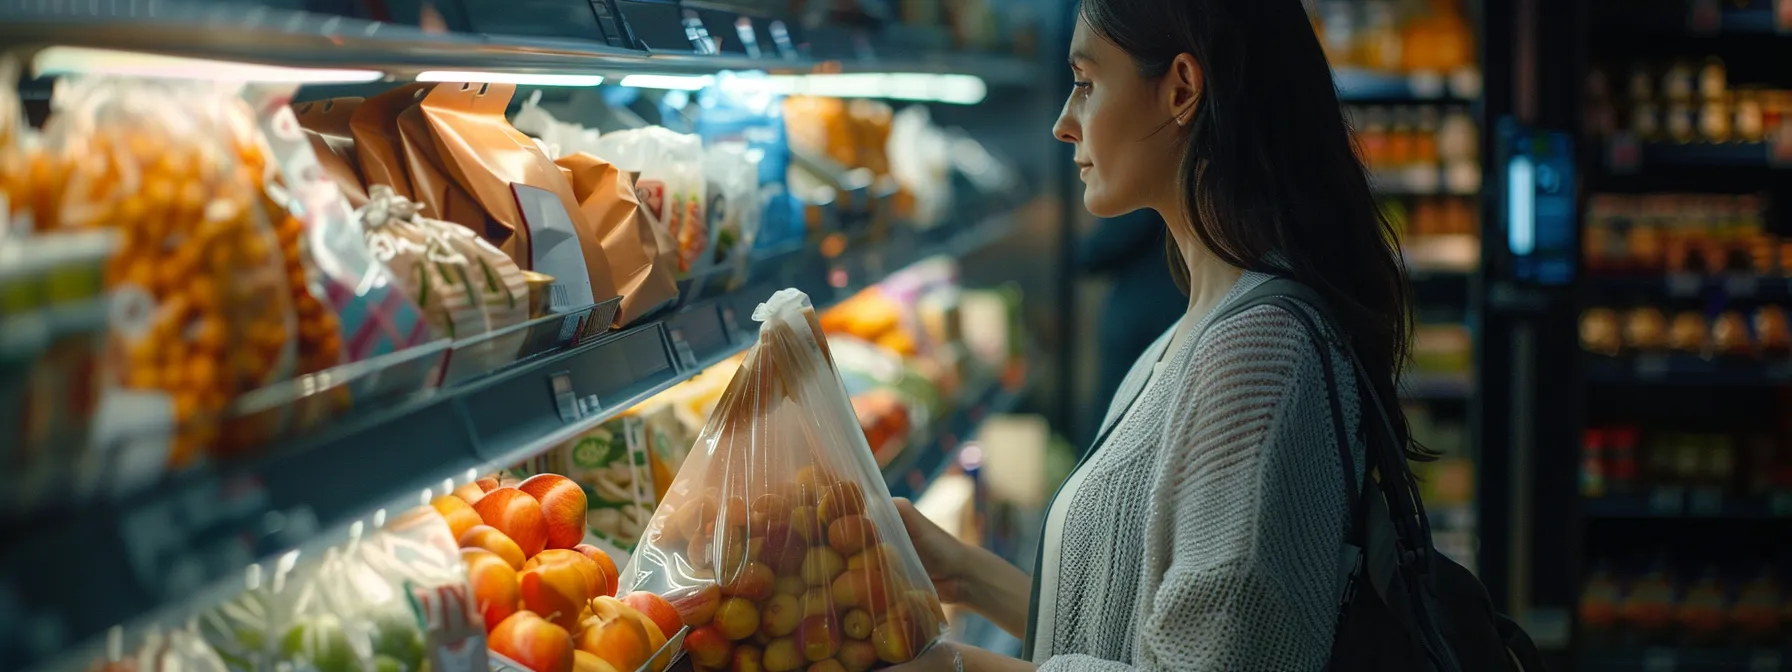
{"x": 946, "y": 656}
{"x": 969, "y": 576}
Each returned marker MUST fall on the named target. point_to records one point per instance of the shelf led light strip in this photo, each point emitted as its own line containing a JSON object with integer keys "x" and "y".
{"x": 958, "y": 89}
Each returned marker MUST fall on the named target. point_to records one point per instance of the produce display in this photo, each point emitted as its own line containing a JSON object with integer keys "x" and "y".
{"x": 777, "y": 543}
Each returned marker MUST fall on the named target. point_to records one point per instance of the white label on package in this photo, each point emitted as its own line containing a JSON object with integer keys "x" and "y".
{"x": 554, "y": 246}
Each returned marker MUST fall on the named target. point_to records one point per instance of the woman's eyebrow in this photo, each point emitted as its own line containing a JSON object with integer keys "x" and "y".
{"x": 1078, "y": 55}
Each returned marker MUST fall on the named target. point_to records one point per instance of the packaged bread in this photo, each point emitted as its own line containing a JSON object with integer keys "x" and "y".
{"x": 464, "y": 285}
{"x": 203, "y": 312}
{"x": 668, "y": 176}
{"x": 374, "y": 125}
{"x": 328, "y": 128}
{"x": 522, "y": 193}
{"x": 435, "y": 191}
{"x": 642, "y": 260}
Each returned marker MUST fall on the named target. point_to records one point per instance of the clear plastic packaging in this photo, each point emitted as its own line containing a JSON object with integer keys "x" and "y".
{"x": 669, "y": 185}
{"x": 780, "y": 510}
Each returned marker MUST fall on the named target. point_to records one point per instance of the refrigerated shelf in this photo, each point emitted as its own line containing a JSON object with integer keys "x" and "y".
{"x": 134, "y": 556}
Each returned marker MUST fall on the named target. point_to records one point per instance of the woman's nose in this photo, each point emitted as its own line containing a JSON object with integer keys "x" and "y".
{"x": 1065, "y": 129}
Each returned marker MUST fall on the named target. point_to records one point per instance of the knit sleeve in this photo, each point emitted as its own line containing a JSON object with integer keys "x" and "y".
{"x": 1251, "y": 506}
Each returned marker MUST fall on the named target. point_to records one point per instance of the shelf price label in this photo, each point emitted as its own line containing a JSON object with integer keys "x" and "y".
{"x": 687, "y": 357}
{"x": 1651, "y": 366}
{"x": 565, "y": 400}
{"x": 1742, "y": 285}
{"x": 737, "y": 334}
{"x": 1683, "y": 285}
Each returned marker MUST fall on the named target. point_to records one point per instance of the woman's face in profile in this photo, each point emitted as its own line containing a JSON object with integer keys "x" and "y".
{"x": 1128, "y": 159}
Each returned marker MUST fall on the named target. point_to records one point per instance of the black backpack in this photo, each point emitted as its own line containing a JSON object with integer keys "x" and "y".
{"x": 1405, "y": 606}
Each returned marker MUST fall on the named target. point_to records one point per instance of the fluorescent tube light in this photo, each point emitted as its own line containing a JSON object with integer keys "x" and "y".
{"x": 525, "y": 79}
{"x": 670, "y": 82}
{"x": 921, "y": 87}
{"x": 58, "y": 61}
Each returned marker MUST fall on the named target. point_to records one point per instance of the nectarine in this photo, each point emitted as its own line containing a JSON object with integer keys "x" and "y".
{"x": 470, "y": 493}
{"x": 696, "y": 605}
{"x": 857, "y": 655}
{"x": 851, "y": 534}
{"x": 656, "y": 609}
{"x": 708, "y": 646}
{"x": 535, "y": 643}
{"x": 844, "y": 499}
{"x": 494, "y": 585}
{"x": 829, "y": 665}
{"x": 517, "y": 515}
{"x": 487, "y": 483}
{"x": 747, "y": 658}
{"x": 586, "y": 662}
{"x": 790, "y": 585}
{"x": 605, "y": 563}
{"x": 781, "y": 655}
{"x": 857, "y": 624}
{"x": 768, "y": 509}
{"x": 556, "y": 590}
{"x": 596, "y": 582}
{"x": 893, "y": 641}
{"x": 737, "y": 618}
{"x": 621, "y": 642}
{"x": 754, "y": 582}
{"x": 489, "y": 538}
{"x": 818, "y": 602}
{"x": 562, "y": 506}
{"x": 605, "y": 607}
{"x": 780, "y": 615}
{"x": 821, "y": 565}
{"x": 459, "y": 514}
{"x": 806, "y": 522}
{"x": 873, "y": 557}
{"x": 818, "y": 637}
{"x": 863, "y": 589}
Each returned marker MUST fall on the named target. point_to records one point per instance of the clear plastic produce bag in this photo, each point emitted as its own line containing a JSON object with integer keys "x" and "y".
{"x": 778, "y": 538}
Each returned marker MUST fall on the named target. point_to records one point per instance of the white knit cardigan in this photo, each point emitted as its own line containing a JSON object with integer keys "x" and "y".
{"x": 1207, "y": 533}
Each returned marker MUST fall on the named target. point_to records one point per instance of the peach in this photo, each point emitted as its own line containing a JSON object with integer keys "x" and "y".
{"x": 851, "y": 534}
{"x": 487, "y": 483}
{"x": 814, "y": 479}
{"x": 605, "y": 563}
{"x": 595, "y": 581}
{"x": 818, "y": 602}
{"x": 818, "y": 637}
{"x": 754, "y": 582}
{"x": 621, "y": 642}
{"x": 517, "y": 515}
{"x": 562, "y": 506}
{"x": 844, "y": 499}
{"x": 829, "y": 665}
{"x": 781, "y": 655}
{"x": 469, "y": 493}
{"x": 737, "y": 618}
{"x": 696, "y": 605}
{"x": 790, "y": 585}
{"x": 656, "y": 609}
{"x": 606, "y": 608}
{"x": 489, "y": 538}
{"x": 780, "y": 616}
{"x": 494, "y": 586}
{"x": 863, "y": 589}
{"x": 894, "y": 641}
{"x": 532, "y": 641}
{"x": 783, "y": 550}
{"x": 806, "y": 522}
{"x": 746, "y": 659}
{"x": 708, "y": 647}
{"x": 857, "y": 656}
{"x": 586, "y": 662}
{"x": 558, "y": 590}
{"x": 821, "y": 565}
{"x": 459, "y": 514}
{"x": 857, "y": 624}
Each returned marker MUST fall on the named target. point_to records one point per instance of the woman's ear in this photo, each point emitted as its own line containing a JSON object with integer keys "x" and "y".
{"x": 1182, "y": 88}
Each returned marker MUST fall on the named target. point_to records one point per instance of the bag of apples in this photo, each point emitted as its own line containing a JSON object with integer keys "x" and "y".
{"x": 778, "y": 543}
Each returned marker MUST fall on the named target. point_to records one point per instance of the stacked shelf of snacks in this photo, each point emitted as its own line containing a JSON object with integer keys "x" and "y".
{"x": 1685, "y": 354}
{"x": 1409, "y": 75}
{"x": 344, "y": 350}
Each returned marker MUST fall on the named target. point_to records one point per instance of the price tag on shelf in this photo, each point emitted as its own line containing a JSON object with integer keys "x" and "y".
{"x": 179, "y": 543}
{"x": 1742, "y": 285}
{"x": 737, "y": 334}
{"x": 687, "y": 357}
{"x": 1651, "y": 366}
{"x": 1667, "y": 501}
{"x": 1705, "y": 502}
{"x": 565, "y": 400}
{"x": 1683, "y": 285}
{"x": 1704, "y": 17}
{"x": 1660, "y": 660}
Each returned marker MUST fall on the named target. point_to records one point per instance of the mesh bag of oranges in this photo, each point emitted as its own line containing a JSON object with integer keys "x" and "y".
{"x": 778, "y": 542}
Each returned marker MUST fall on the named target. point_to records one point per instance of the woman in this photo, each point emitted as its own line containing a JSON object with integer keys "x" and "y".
{"x": 1205, "y": 530}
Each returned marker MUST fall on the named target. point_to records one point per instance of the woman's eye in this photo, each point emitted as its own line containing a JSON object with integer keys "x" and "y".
{"x": 1080, "y": 85}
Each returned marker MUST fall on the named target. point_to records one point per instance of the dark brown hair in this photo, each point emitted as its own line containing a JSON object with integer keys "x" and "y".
{"x": 1271, "y": 171}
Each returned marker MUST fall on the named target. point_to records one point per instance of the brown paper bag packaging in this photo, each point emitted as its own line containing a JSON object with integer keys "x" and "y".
{"x": 327, "y": 127}
{"x": 642, "y": 258}
{"x": 486, "y": 155}
{"x": 375, "y": 127}
{"x": 437, "y": 192}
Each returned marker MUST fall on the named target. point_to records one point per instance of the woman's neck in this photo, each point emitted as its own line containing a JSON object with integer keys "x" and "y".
{"x": 1209, "y": 278}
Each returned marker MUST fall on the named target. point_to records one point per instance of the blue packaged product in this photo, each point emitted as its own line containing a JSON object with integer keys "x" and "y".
{"x": 746, "y": 108}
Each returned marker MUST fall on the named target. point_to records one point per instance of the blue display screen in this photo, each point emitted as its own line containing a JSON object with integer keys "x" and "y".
{"x": 1539, "y": 205}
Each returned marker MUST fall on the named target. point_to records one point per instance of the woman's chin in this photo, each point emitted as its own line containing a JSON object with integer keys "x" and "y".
{"x": 1100, "y": 205}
